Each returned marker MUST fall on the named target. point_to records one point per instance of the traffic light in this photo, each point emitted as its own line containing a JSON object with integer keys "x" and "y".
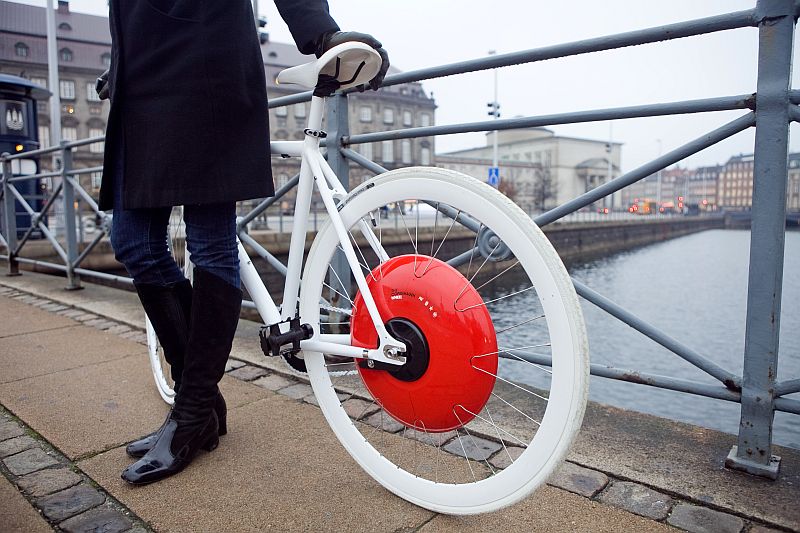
{"x": 494, "y": 109}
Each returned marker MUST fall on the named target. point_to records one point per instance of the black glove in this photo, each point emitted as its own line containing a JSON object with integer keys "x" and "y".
{"x": 330, "y": 39}
{"x": 101, "y": 86}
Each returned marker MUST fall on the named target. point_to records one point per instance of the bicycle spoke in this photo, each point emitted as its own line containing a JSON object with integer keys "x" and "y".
{"x": 519, "y": 324}
{"x": 495, "y": 300}
{"x": 495, "y": 426}
{"x": 434, "y": 254}
{"x": 537, "y": 422}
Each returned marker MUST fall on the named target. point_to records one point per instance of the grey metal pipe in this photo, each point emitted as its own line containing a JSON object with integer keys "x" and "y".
{"x": 726, "y": 103}
{"x": 634, "y": 376}
{"x": 257, "y": 210}
{"x": 263, "y": 253}
{"x": 85, "y": 196}
{"x": 692, "y": 147}
{"x": 727, "y": 21}
{"x": 787, "y": 387}
{"x": 36, "y": 176}
{"x": 787, "y": 405}
{"x": 730, "y": 380}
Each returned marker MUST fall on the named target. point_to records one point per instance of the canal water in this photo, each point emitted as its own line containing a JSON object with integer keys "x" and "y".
{"x": 694, "y": 288}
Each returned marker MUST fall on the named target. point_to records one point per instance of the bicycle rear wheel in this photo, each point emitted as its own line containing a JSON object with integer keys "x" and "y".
{"x": 495, "y": 385}
{"x": 176, "y": 235}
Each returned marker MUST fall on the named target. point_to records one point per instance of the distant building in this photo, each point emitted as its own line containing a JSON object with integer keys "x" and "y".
{"x": 84, "y": 45}
{"x": 793, "y": 190}
{"x": 540, "y": 168}
{"x": 735, "y": 188}
{"x": 702, "y": 188}
{"x": 84, "y": 52}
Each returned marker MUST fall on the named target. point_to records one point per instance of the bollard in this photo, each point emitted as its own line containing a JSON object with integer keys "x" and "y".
{"x": 70, "y": 231}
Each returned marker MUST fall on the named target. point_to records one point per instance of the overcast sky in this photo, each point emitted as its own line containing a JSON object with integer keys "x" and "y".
{"x": 423, "y": 33}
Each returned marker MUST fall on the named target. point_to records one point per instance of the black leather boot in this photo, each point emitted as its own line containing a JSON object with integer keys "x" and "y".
{"x": 193, "y": 424}
{"x": 140, "y": 447}
{"x": 169, "y": 309}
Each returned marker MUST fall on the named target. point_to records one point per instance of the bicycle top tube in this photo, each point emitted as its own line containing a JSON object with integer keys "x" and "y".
{"x": 286, "y": 148}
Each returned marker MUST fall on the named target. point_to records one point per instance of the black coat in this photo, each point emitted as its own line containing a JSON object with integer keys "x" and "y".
{"x": 188, "y": 99}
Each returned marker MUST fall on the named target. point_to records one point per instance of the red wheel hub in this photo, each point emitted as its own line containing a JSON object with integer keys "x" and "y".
{"x": 451, "y": 343}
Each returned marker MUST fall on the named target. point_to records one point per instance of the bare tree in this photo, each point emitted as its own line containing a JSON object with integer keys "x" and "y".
{"x": 545, "y": 188}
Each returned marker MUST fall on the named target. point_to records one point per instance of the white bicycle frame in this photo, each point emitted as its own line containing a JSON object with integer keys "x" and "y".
{"x": 315, "y": 170}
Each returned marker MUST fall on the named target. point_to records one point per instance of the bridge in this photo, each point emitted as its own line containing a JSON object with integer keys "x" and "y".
{"x": 667, "y": 461}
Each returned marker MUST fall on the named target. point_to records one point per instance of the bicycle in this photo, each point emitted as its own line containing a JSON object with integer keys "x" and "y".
{"x": 412, "y": 366}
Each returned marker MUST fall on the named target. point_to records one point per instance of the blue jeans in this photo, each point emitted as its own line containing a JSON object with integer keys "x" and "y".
{"x": 139, "y": 238}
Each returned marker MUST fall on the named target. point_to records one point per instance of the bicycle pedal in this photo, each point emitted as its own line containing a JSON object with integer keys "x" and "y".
{"x": 274, "y": 342}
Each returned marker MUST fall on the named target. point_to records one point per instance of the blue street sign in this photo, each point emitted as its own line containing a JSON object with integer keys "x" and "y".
{"x": 494, "y": 176}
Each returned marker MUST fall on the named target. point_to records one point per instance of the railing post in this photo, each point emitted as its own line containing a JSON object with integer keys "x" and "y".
{"x": 9, "y": 218}
{"x": 70, "y": 230}
{"x": 338, "y": 126}
{"x": 753, "y": 452}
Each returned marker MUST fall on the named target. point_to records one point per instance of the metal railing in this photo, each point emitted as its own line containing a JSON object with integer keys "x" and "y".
{"x": 769, "y": 110}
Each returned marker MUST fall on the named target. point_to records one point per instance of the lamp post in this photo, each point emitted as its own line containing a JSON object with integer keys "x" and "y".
{"x": 495, "y": 112}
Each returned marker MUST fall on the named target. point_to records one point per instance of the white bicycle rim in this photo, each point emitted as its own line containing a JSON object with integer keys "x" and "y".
{"x": 566, "y": 401}
{"x": 158, "y": 364}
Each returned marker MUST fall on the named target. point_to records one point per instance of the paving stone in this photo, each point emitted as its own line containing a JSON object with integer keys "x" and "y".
{"x": 233, "y": 364}
{"x": 297, "y": 391}
{"x": 69, "y": 502}
{"x": 29, "y": 461}
{"x": 583, "y": 481}
{"x": 118, "y": 329}
{"x": 71, "y": 312}
{"x": 385, "y": 422}
{"x": 48, "y": 481}
{"x": 273, "y": 382}
{"x": 763, "y": 529}
{"x": 86, "y": 317}
{"x": 431, "y": 439}
{"x": 637, "y": 499}
{"x": 54, "y": 307}
{"x": 100, "y": 323}
{"x": 97, "y": 520}
{"x": 9, "y": 430}
{"x": 16, "y": 445}
{"x": 358, "y": 409}
{"x": 502, "y": 460}
{"x": 476, "y": 448}
{"x": 130, "y": 334}
{"x": 703, "y": 520}
{"x": 138, "y": 530}
{"x": 41, "y": 303}
{"x": 248, "y": 373}
{"x": 312, "y": 399}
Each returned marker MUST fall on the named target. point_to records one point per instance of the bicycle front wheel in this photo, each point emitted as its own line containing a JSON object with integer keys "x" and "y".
{"x": 495, "y": 382}
{"x": 176, "y": 238}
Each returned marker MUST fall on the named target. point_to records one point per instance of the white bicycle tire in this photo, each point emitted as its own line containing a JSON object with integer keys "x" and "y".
{"x": 155, "y": 354}
{"x": 570, "y": 359}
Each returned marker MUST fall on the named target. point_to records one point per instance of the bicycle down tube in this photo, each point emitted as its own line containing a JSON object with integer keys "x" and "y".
{"x": 313, "y": 169}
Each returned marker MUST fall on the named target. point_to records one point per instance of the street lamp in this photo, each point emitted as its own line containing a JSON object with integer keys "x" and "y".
{"x": 494, "y": 111}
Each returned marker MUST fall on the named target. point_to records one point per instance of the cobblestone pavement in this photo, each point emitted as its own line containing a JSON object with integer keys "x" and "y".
{"x": 53, "y": 473}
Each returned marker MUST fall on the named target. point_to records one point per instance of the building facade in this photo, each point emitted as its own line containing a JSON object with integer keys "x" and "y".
{"x": 84, "y": 44}
{"x": 541, "y": 168}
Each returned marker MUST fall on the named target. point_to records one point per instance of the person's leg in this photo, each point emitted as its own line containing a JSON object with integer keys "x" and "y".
{"x": 216, "y": 302}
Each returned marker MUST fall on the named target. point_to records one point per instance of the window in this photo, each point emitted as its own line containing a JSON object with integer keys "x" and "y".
{"x": 424, "y": 120}
{"x": 42, "y": 82}
{"x": 365, "y": 114}
{"x": 65, "y": 54}
{"x": 388, "y": 116}
{"x": 425, "y": 156}
{"x": 95, "y": 110}
{"x": 405, "y": 150}
{"x": 300, "y": 110}
{"x": 91, "y": 93}
{"x": 387, "y": 151}
{"x": 67, "y": 89}
{"x": 97, "y": 179}
{"x": 282, "y": 180}
{"x": 44, "y": 136}
{"x": 407, "y": 120}
{"x": 21, "y": 49}
{"x": 365, "y": 150}
{"x": 281, "y": 111}
{"x": 105, "y": 59}
{"x": 65, "y": 26}
{"x": 69, "y": 133}
{"x": 96, "y": 148}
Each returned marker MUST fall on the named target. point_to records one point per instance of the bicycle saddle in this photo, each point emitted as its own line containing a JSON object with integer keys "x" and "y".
{"x": 349, "y": 64}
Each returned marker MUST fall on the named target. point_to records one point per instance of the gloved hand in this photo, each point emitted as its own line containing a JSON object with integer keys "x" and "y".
{"x": 101, "y": 86}
{"x": 330, "y": 39}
